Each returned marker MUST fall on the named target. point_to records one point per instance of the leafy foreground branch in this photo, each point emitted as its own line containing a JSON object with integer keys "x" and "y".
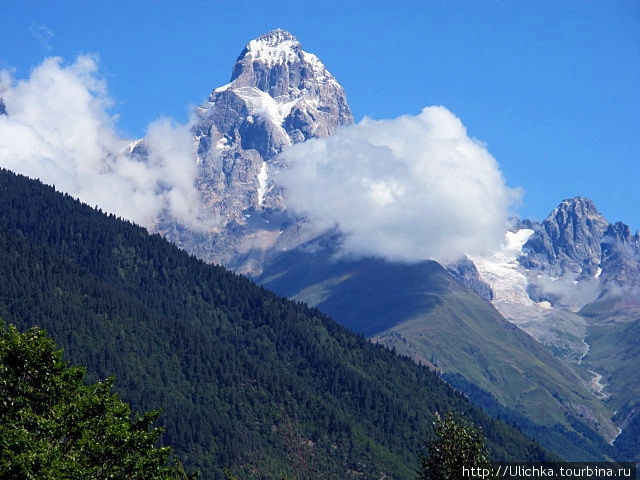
{"x": 457, "y": 445}
{"x": 54, "y": 426}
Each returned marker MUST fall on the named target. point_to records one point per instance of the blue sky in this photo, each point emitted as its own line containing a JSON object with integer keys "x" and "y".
{"x": 550, "y": 87}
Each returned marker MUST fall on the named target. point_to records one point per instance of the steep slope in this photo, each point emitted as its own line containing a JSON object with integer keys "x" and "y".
{"x": 614, "y": 352}
{"x": 246, "y": 380}
{"x": 278, "y": 95}
{"x": 422, "y": 312}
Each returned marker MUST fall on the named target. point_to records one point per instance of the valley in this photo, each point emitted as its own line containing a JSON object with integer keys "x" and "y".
{"x": 246, "y": 380}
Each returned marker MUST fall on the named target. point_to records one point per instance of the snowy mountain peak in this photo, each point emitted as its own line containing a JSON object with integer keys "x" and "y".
{"x": 278, "y": 95}
{"x": 276, "y": 46}
{"x": 275, "y": 37}
{"x": 569, "y": 239}
{"x": 276, "y": 64}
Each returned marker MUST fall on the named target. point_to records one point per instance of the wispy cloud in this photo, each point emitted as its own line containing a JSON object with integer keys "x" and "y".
{"x": 43, "y": 35}
{"x": 408, "y": 189}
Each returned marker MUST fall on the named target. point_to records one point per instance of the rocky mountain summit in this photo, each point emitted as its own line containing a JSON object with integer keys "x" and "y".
{"x": 571, "y": 258}
{"x": 568, "y": 240}
{"x": 278, "y": 95}
{"x": 547, "y": 272}
{"x": 576, "y": 242}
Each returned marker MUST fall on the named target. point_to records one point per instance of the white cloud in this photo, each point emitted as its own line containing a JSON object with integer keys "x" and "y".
{"x": 57, "y": 129}
{"x": 406, "y": 189}
{"x": 568, "y": 291}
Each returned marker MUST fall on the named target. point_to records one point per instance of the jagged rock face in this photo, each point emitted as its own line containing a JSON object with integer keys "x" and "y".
{"x": 568, "y": 241}
{"x": 278, "y": 95}
{"x": 466, "y": 273}
{"x": 620, "y": 258}
{"x": 310, "y": 101}
{"x": 577, "y": 254}
{"x": 3, "y": 109}
{"x": 572, "y": 258}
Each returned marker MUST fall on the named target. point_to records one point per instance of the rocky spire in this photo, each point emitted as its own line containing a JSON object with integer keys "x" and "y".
{"x": 621, "y": 259}
{"x": 278, "y": 95}
{"x": 276, "y": 64}
{"x": 569, "y": 238}
{"x": 264, "y": 62}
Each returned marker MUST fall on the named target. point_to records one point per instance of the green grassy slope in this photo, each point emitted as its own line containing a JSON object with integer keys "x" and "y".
{"x": 246, "y": 380}
{"x": 613, "y": 336}
{"x": 423, "y": 313}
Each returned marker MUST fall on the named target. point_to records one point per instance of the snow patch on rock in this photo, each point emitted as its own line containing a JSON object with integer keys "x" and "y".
{"x": 262, "y": 182}
{"x": 275, "y": 47}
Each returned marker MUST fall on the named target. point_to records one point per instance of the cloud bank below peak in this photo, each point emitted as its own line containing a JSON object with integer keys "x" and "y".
{"x": 406, "y": 189}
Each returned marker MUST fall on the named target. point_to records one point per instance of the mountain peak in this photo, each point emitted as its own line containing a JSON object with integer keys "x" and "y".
{"x": 580, "y": 204}
{"x": 576, "y": 210}
{"x": 276, "y": 64}
{"x": 273, "y": 48}
{"x": 274, "y": 80}
{"x": 569, "y": 238}
{"x": 276, "y": 37}
{"x": 278, "y": 95}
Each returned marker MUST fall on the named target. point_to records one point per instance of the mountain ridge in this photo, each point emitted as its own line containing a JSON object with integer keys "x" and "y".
{"x": 247, "y": 122}
{"x": 247, "y": 380}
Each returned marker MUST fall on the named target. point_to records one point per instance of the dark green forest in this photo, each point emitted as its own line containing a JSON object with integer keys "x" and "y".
{"x": 247, "y": 381}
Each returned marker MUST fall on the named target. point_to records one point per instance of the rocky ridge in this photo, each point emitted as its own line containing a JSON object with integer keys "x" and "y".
{"x": 573, "y": 257}
{"x": 568, "y": 240}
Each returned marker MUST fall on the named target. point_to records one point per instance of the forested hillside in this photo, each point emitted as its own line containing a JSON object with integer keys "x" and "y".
{"x": 424, "y": 313}
{"x": 247, "y": 381}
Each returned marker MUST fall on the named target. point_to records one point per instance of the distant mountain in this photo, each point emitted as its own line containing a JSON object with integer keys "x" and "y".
{"x": 247, "y": 381}
{"x": 573, "y": 282}
{"x": 572, "y": 258}
{"x": 278, "y": 95}
{"x": 568, "y": 241}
